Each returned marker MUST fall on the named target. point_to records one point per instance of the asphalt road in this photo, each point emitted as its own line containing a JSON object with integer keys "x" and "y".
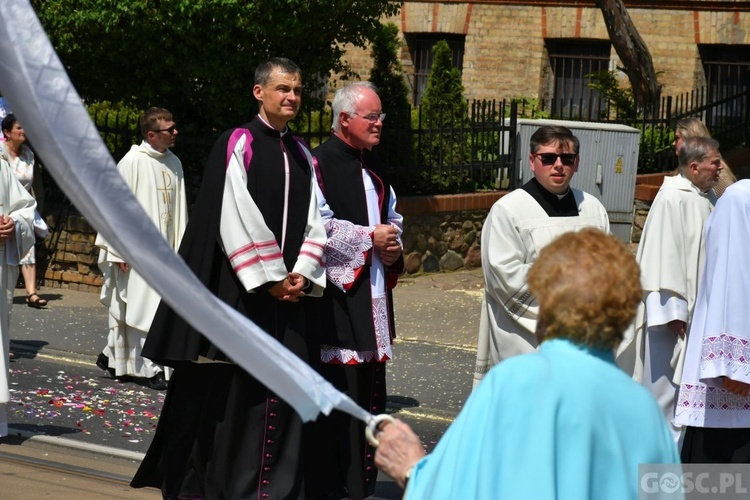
{"x": 59, "y": 396}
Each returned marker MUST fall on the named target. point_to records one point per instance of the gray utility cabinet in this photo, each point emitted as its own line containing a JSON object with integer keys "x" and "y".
{"x": 607, "y": 166}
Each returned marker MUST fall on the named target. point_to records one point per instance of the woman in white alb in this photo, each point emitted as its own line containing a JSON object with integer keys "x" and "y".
{"x": 21, "y": 160}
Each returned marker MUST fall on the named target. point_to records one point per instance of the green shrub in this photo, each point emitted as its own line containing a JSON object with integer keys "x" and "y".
{"x": 657, "y": 141}
{"x": 444, "y": 112}
{"x": 117, "y": 124}
{"x": 314, "y": 126}
{"x": 529, "y": 107}
{"x": 621, "y": 101}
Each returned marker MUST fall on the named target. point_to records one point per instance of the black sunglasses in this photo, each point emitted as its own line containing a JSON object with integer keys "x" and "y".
{"x": 567, "y": 159}
{"x": 170, "y": 130}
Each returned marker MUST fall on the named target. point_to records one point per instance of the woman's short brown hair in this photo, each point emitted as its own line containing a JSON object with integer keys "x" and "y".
{"x": 588, "y": 287}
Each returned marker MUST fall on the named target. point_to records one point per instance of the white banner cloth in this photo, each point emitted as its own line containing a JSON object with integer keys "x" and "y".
{"x": 36, "y": 85}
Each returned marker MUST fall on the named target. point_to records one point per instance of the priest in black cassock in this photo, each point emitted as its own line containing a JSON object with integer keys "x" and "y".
{"x": 363, "y": 261}
{"x": 256, "y": 239}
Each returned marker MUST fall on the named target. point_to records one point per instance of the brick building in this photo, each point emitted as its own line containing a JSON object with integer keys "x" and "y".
{"x": 543, "y": 49}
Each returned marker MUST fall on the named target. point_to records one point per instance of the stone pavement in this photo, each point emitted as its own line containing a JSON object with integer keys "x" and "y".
{"x": 442, "y": 308}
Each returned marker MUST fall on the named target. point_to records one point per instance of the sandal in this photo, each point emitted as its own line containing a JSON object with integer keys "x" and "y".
{"x": 37, "y": 303}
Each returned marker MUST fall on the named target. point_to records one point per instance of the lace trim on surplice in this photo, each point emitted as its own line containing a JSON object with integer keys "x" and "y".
{"x": 345, "y": 250}
{"x": 337, "y": 355}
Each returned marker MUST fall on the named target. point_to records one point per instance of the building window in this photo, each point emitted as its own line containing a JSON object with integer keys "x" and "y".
{"x": 572, "y": 62}
{"x": 420, "y": 47}
{"x": 727, "y": 72}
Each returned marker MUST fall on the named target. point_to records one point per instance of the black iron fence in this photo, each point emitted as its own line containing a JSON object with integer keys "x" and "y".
{"x": 119, "y": 130}
{"x": 472, "y": 152}
{"x": 476, "y": 152}
{"x": 724, "y": 110}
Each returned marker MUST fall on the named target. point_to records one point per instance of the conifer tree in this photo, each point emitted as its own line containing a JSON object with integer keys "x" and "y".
{"x": 443, "y": 103}
{"x": 445, "y": 114}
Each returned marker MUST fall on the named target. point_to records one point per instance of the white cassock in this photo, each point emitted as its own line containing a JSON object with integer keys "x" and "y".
{"x": 671, "y": 255}
{"x": 719, "y": 342}
{"x": 158, "y": 182}
{"x": 515, "y": 230}
{"x": 16, "y": 203}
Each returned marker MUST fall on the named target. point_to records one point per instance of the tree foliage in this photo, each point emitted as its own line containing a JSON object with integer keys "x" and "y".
{"x": 443, "y": 102}
{"x": 387, "y": 75}
{"x": 445, "y": 114}
{"x": 197, "y": 57}
{"x": 633, "y": 52}
{"x": 620, "y": 99}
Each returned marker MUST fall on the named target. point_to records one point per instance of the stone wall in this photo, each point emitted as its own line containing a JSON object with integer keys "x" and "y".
{"x": 442, "y": 242}
{"x": 71, "y": 264}
{"x": 441, "y": 234}
{"x": 640, "y": 211}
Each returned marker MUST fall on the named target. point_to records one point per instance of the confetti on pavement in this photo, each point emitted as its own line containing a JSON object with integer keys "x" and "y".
{"x": 126, "y": 411}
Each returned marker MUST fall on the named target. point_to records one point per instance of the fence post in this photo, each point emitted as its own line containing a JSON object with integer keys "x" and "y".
{"x": 512, "y": 144}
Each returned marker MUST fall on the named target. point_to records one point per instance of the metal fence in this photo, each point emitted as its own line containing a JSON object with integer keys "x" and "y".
{"x": 476, "y": 152}
{"x": 724, "y": 110}
{"x": 468, "y": 154}
{"x": 472, "y": 155}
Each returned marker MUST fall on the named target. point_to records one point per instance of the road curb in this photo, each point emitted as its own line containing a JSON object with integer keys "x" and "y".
{"x": 61, "y": 442}
{"x": 24, "y": 350}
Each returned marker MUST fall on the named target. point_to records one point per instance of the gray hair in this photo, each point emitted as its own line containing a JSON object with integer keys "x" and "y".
{"x": 345, "y": 100}
{"x": 696, "y": 150}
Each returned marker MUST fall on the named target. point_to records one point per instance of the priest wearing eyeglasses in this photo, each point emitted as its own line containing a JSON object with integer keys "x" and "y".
{"x": 518, "y": 226}
{"x": 363, "y": 261}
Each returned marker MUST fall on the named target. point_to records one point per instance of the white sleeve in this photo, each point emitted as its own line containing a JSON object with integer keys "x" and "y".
{"x": 505, "y": 266}
{"x": 250, "y": 246}
{"x": 663, "y": 306}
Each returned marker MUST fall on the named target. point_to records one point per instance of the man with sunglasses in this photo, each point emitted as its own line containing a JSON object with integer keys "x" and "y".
{"x": 518, "y": 226}
{"x": 363, "y": 261}
{"x": 155, "y": 176}
{"x": 671, "y": 254}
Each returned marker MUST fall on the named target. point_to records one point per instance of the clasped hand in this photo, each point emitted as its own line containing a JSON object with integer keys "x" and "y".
{"x": 735, "y": 386}
{"x": 385, "y": 242}
{"x": 290, "y": 289}
{"x": 7, "y": 227}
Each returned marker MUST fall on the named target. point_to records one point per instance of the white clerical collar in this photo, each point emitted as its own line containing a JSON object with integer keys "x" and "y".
{"x": 696, "y": 188}
{"x": 286, "y": 128}
{"x": 561, "y": 196}
{"x": 151, "y": 149}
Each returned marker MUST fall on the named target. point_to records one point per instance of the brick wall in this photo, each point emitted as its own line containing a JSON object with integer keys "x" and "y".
{"x": 504, "y": 54}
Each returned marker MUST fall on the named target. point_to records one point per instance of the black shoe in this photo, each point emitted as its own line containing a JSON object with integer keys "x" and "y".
{"x": 103, "y": 362}
{"x": 158, "y": 382}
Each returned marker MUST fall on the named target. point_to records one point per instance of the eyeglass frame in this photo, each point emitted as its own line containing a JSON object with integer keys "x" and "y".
{"x": 171, "y": 130}
{"x": 378, "y": 117}
{"x": 574, "y": 157}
